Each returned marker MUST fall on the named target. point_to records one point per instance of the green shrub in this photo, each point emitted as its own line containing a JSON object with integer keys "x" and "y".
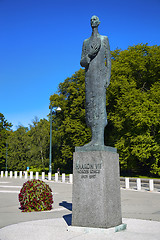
{"x": 35, "y": 195}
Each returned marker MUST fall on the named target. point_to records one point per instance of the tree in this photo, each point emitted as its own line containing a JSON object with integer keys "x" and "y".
{"x": 4, "y": 132}
{"x": 39, "y": 144}
{"x": 19, "y": 145}
{"x": 133, "y": 103}
{"x": 69, "y": 127}
{"x": 29, "y": 147}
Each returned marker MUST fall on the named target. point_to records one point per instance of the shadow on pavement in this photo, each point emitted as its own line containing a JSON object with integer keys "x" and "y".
{"x": 66, "y": 205}
{"x": 68, "y": 217}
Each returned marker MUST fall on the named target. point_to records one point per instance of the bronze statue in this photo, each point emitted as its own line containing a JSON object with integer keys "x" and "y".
{"x": 96, "y": 59}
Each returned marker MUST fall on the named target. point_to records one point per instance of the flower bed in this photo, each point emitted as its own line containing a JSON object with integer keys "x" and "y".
{"x": 35, "y": 195}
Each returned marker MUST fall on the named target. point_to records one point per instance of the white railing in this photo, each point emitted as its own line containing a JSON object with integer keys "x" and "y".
{"x": 20, "y": 174}
{"x": 37, "y": 175}
{"x": 151, "y": 185}
{"x": 137, "y": 185}
{"x": 27, "y": 175}
{"x": 127, "y": 183}
{"x": 56, "y": 177}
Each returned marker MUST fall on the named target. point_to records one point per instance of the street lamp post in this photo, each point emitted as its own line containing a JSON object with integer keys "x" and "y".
{"x": 50, "y": 153}
{"x": 6, "y": 154}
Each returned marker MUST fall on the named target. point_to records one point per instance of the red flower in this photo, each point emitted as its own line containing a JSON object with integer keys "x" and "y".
{"x": 35, "y": 195}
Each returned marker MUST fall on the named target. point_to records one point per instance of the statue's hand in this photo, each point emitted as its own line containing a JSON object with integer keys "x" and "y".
{"x": 94, "y": 50}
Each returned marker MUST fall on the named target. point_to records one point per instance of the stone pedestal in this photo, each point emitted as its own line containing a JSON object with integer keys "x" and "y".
{"x": 96, "y": 198}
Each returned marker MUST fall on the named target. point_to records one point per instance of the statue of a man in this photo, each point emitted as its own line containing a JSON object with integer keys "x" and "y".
{"x": 96, "y": 59}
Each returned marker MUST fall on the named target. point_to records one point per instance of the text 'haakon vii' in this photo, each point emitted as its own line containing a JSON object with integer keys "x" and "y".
{"x": 88, "y": 168}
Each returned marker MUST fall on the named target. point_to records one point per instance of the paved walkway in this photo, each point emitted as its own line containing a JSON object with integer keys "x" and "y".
{"x": 16, "y": 225}
{"x": 56, "y": 229}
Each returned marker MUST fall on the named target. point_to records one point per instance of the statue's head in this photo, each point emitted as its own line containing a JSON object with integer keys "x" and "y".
{"x": 95, "y": 21}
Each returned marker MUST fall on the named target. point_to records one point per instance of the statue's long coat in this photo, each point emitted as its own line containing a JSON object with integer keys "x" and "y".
{"x": 97, "y": 78}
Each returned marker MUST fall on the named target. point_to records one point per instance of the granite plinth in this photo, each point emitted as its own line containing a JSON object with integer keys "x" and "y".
{"x": 96, "y": 198}
{"x": 84, "y": 230}
{"x": 86, "y": 148}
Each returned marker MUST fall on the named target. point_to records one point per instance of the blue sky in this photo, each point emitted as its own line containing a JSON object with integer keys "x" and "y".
{"x": 41, "y": 43}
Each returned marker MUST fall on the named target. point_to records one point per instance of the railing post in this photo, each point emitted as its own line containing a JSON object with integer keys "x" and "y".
{"x": 49, "y": 176}
{"x": 1, "y": 174}
{"x": 20, "y": 174}
{"x": 151, "y": 185}
{"x": 15, "y": 174}
{"x": 138, "y": 184}
{"x": 127, "y": 183}
{"x": 71, "y": 178}
{"x": 31, "y": 175}
{"x": 25, "y": 175}
{"x": 56, "y": 177}
{"x": 6, "y": 174}
{"x": 11, "y": 174}
{"x": 43, "y": 175}
{"x": 63, "y": 177}
{"x": 37, "y": 175}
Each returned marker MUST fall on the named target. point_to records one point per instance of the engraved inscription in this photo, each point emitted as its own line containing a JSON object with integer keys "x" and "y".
{"x": 88, "y": 170}
{"x": 84, "y": 176}
{"x": 88, "y": 166}
{"x": 92, "y": 176}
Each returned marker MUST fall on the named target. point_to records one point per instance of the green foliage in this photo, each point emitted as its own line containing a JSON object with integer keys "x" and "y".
{"x": 18, "y": 150}
{"x": 69, "y": 126}
{"x": 39, "y": 144}
{"x": 133, "y": 106}
{"x": 4, "y": 133}
{"x": 35, "y": 195}
{"x": 29, "y": 147}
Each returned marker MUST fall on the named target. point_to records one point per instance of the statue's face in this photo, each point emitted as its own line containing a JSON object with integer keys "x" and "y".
{"x": 95, "y": 21}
